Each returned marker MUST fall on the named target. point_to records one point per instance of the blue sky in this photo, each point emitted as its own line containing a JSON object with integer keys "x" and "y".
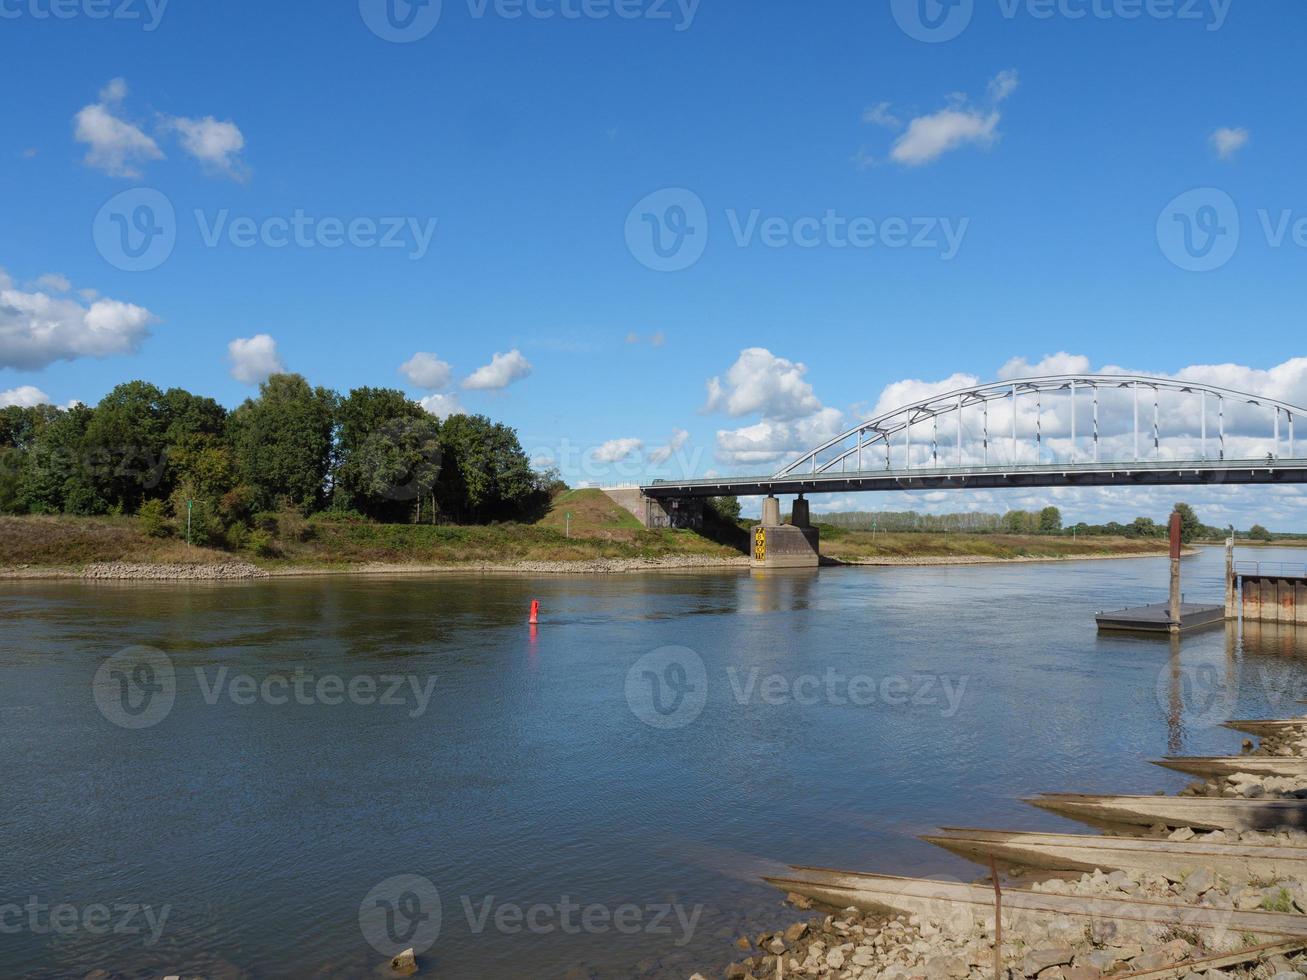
{"x": 1030, "y": 157}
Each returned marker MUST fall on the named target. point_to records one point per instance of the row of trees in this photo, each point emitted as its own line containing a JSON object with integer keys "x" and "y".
{"x": 373, "y": 452}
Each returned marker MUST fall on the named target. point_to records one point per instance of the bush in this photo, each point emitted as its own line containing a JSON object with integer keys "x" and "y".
{"x": 1259, "y": 533}
{"x": 238, "y": 536}
{"x": 260, "y": 543}
{"x": 153, "y": 516}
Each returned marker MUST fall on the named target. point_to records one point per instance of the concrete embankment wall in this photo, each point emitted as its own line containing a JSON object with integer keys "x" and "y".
{"x": 1275, "y": 599}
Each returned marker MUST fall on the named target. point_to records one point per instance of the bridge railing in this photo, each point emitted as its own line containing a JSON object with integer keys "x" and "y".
{"x": 1275, "y": 569}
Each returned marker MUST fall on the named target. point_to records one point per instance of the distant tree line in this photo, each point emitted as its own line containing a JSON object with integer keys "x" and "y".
{"x": 373, "y": 453}
{"x": 1047, "y": 520}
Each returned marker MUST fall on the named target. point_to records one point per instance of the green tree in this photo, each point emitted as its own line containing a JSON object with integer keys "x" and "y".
{"x": 1190, "y": 526}
{"x": 726, "y": 508}
{"x": 56, "y": 473}
{"x": 1050, "y": 520}
{"x": 1259, "y": 533}
{"x": 125, "y": 444}
{"x": 283, "y": 442}
{"x": 387, "y": 453}
{"x": 485, "y": 475}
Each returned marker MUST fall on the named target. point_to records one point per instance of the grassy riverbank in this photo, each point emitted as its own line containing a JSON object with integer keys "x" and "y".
{"x": 597, "y": 530}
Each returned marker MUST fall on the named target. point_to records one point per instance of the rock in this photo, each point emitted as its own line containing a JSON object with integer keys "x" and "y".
{"x": 835, "y": 959}
{"x": 736, "y": 971}
{"x": 405, "y": 962}
{"x": 776, "y": 946}
{"x": 1052, "y": 973}
{"x": 946, "y": 968}
{"x": 1081, "y": 973}
{"x": 1038, "y": 960}
{"x": 799, "y": 901}
{"x": 743, "y": 944}
{"x": 1253, "y": 791}
{"x": 1182, "y": 833}
{"x": 795, "y": 932}
{"x": 1101, "y": 960}
{"x": 1199, "y": 882}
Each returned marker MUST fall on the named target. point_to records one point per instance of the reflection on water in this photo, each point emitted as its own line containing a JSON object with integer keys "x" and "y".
{"x": 833, "y": 716}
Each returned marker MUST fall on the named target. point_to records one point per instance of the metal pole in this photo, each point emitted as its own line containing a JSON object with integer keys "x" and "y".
{"x": 1073, "y": 421}
{"x": 1157, "y": 443}
{"x": 907, "y": 441}
{"x": 1220, "y": 416}
{"x": 1276, "y": 444}
{"x": 959, "y": 430}
{"x": 1291, "y": 455}
{"x": 1014, "y": 425}
{"x": 1095, "y": 423}
{"x": 861, "y": 433}
{"x": 934, "y": 439}
{"x": 985, "y": 403}
{"x": 1135, "y": 386}
{"x": 1204, "y": 414}
{"x": 1039, "y": 427}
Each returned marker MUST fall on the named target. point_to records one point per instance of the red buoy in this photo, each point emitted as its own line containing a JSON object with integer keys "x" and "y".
{"x": 535, "y": 612}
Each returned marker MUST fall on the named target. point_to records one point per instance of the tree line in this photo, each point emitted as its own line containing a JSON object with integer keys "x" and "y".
{"x": 167, "y": 455}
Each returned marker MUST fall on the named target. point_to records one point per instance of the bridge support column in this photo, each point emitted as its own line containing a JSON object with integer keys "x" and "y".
{"x": 1175, "y": 573}
{"x": 777, "y": 545}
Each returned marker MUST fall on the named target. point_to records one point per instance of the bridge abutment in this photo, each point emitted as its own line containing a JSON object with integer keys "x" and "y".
{"x": 777, "y": 545}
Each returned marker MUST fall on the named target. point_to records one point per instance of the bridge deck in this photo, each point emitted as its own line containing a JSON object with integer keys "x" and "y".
{"x": 1101, "y": 474}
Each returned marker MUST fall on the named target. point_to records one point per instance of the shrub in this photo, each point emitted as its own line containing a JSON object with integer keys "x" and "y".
{"x": 153, "y": 516}
{"x": 260, "y": 543}
{"x": 238, "y": 536}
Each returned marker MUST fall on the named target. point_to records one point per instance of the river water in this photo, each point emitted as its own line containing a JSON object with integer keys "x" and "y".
{"x": 252, "y": 793}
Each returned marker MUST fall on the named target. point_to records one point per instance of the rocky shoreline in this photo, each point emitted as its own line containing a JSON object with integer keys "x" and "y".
{"x": 856, "y": 945}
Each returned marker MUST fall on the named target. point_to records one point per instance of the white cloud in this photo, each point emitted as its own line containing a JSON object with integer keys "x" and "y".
{"x": 1050, "y": 364}
{"x": 912, "y": 390}
{"x": 501, "y": 372}
{"x": 759, "y": 381}
{"x": 216, "y": 144}
{"x": 929, "y": 137}
{"x": 117, "y": 147}
{"x": 25, "y": 396}
{"x": 53, "y": 282}
{"x": 880, "y": 115}
{"x": 616, "y": 450}
{"x": 37, "y": 328}
{"x": 254, "y": 359}
{"x": 1227, "y": 141}
{"x": 661, "y": 454}
{"x": 426, "y": 370}
{"x": 442, "y": 406}
{"x": 792, "y": 417}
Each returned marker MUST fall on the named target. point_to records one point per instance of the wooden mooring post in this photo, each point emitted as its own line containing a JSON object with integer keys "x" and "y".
{"x": 1174, "y": 625}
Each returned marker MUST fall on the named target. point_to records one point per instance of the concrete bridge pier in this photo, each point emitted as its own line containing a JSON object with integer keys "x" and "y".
{"x": 777, "y": 545}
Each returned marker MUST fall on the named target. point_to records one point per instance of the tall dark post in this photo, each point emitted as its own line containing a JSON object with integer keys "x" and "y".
{"x": 1175, "y": 572}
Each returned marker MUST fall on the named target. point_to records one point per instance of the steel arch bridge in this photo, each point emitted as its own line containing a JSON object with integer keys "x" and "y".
{"x": 1046, "y": 432}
